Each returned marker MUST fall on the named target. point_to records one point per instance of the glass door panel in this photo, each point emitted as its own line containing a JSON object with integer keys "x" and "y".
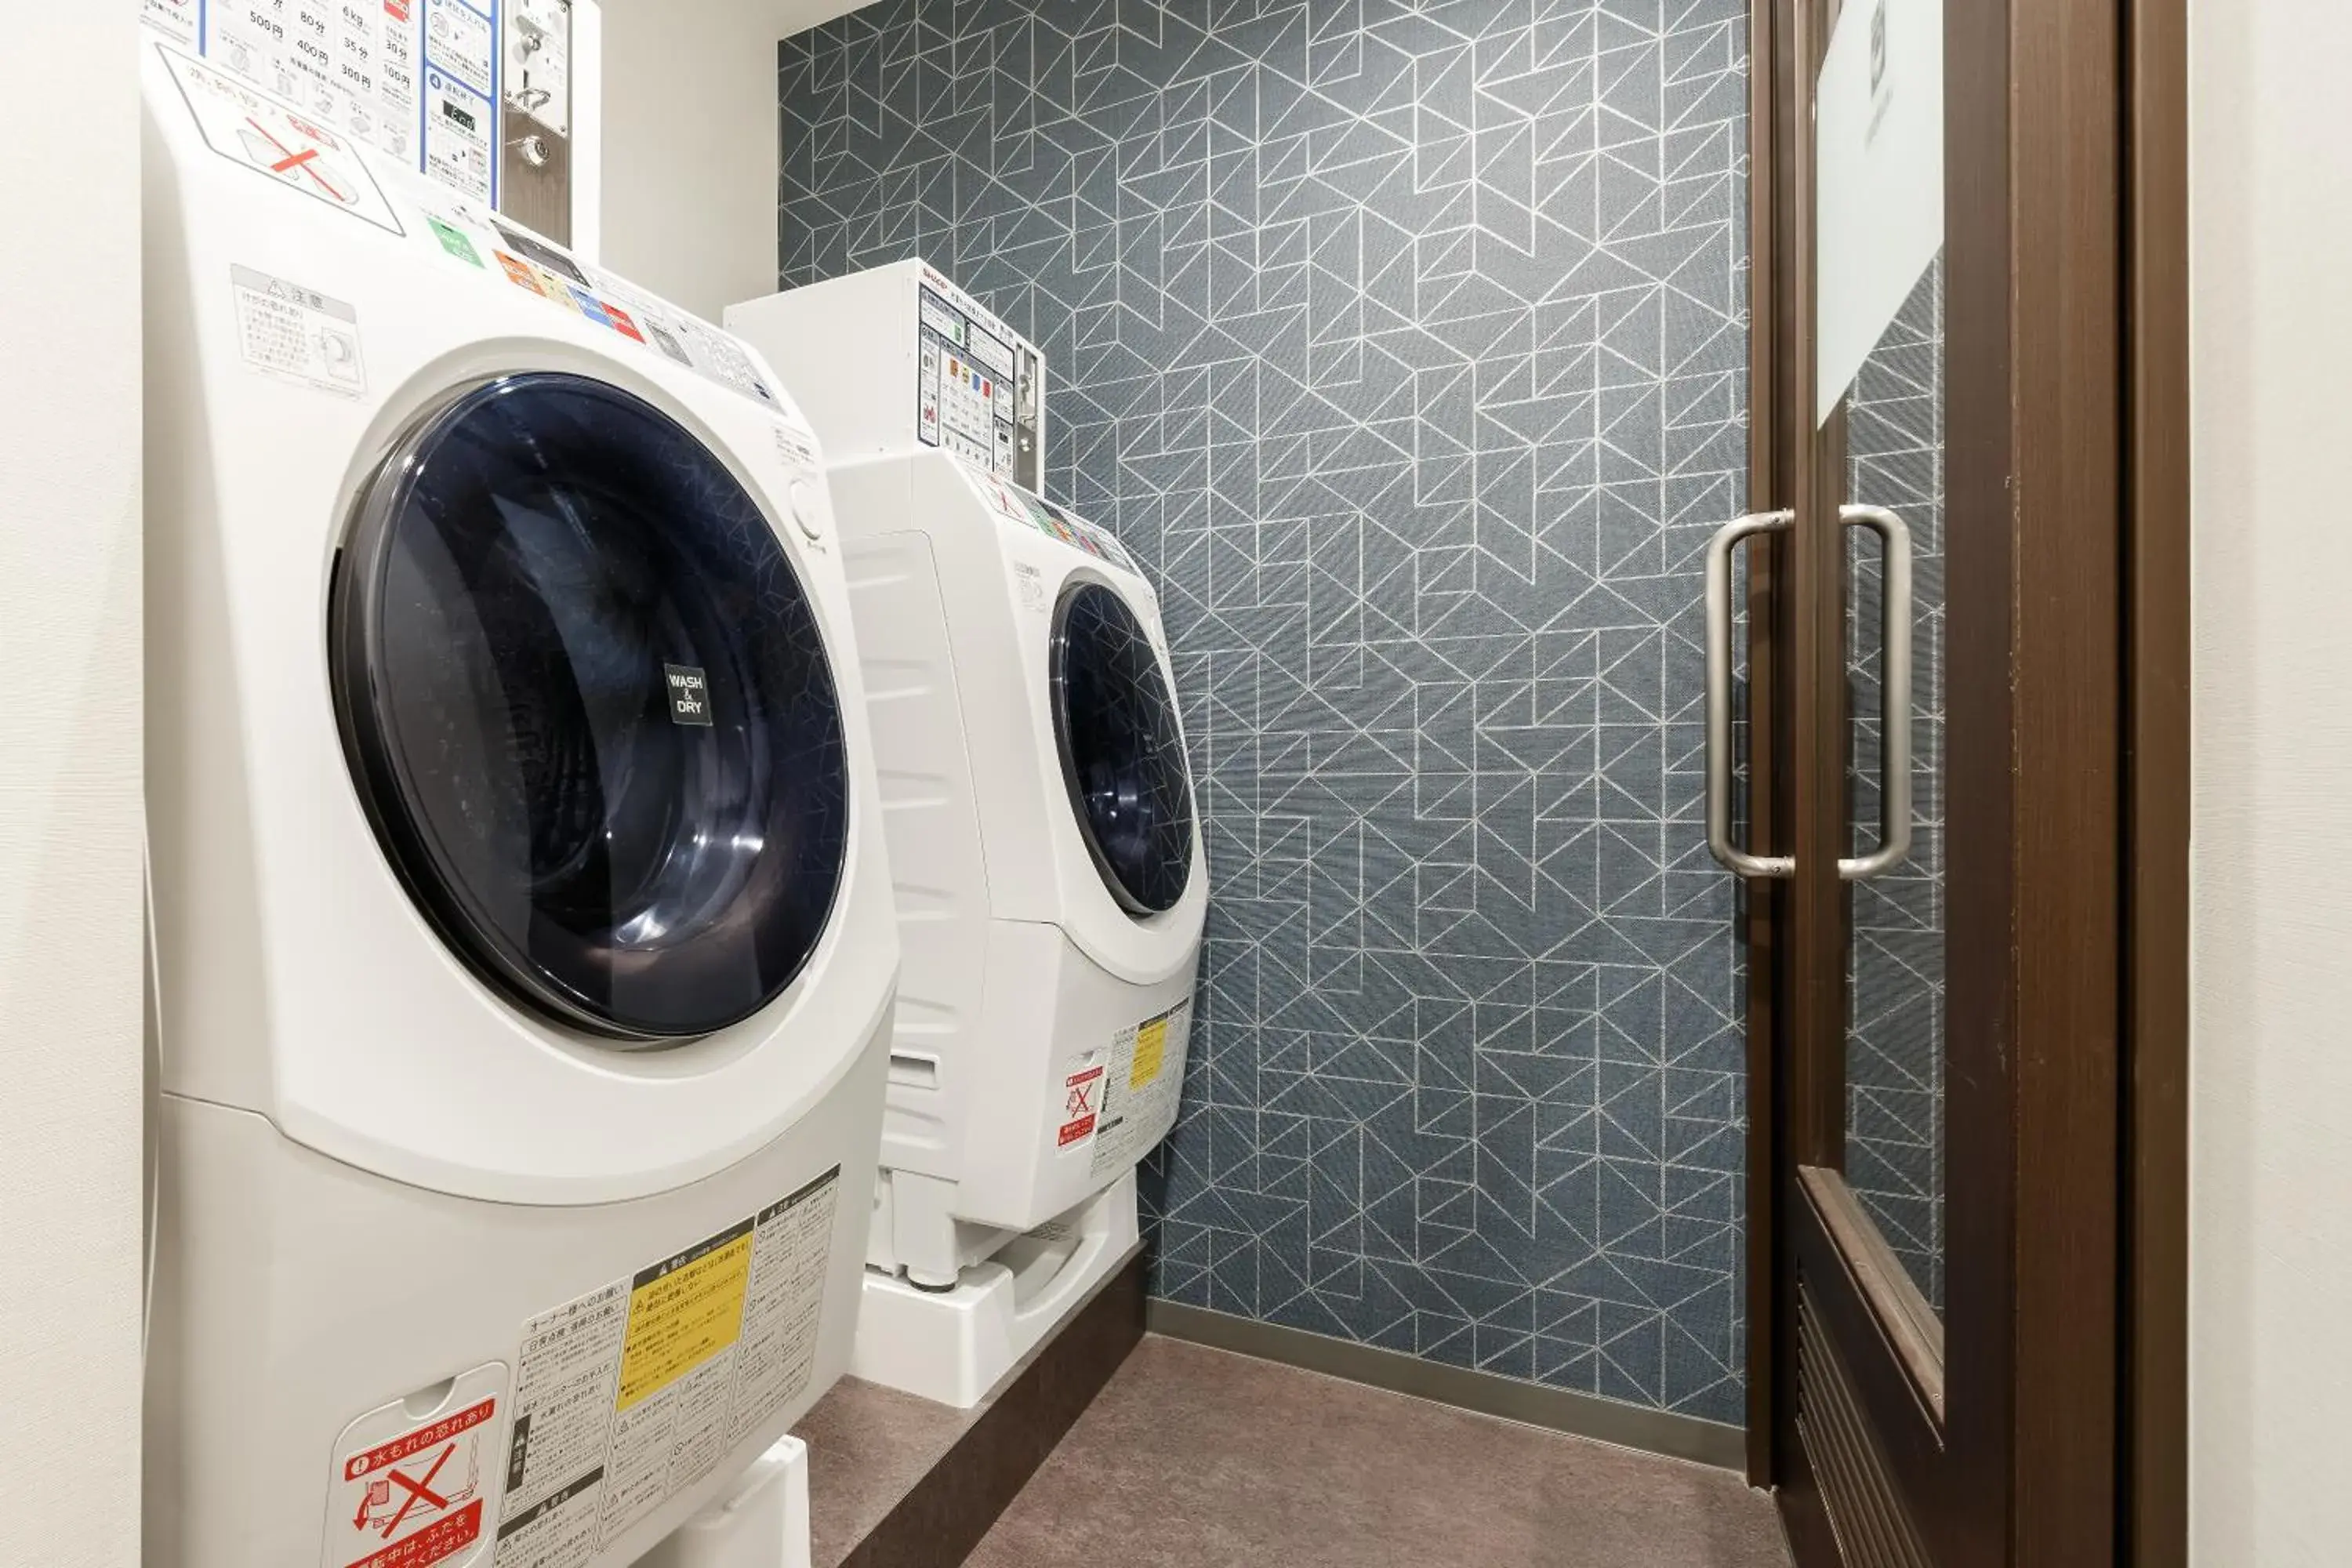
{"x": 1893, "y": 462}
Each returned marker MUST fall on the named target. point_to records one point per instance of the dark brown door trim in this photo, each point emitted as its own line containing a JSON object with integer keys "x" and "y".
{"x": 2067, "y": 325}
{"x": 2154, "y": 1522}
{"x": 2104, "y": 81}
{"x": 1757, "y": 903}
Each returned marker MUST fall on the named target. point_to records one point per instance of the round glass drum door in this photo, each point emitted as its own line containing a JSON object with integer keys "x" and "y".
{"x": 587, "y": 705}
{"x": 1122, "y": 756}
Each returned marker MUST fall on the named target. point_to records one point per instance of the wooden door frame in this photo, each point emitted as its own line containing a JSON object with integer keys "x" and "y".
{"x": 2155, "y": 1385}
{"x": 2125, "y": 112}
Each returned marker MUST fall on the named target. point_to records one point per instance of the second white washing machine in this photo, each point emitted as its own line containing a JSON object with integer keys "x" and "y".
{"x": 1046, "y": 846}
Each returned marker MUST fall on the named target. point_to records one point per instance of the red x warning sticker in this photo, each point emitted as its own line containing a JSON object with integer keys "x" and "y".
{"x": 409, "y": 1493}
{"x": 275, "y": 140}
{"x": 1082, "y": 1099}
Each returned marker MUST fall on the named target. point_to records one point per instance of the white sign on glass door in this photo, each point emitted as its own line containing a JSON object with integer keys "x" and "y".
{"x": 1878, "y": 124}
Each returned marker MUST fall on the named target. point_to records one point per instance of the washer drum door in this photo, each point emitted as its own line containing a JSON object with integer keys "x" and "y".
{"x": 586, "y": 702}
{"x": 1121, "y": 748}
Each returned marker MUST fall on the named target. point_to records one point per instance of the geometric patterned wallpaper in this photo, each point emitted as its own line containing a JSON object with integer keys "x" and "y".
{"x": 1405, "y": 344}
{"x": 1894, "y": 968}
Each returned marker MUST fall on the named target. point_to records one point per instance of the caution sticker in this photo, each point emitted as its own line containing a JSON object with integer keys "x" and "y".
{"x": 297, "y": 333}
{"x": 797, "y": 447}
{"x": 1151, "y": 1051}
{"x": 633, "y": 1392}
{"x": 1145, "y": 1082}
{"x": 682, "y": 1312}
{"x": 1030, "y": 583}
{"x": 407, "y": 1492}
{"x": 1079, "y": 1098}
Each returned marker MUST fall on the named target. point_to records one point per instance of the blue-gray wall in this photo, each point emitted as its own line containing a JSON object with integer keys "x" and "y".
{"x": 1407, "y": 345}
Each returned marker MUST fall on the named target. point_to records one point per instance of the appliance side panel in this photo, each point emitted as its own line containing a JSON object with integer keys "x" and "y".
{"x": 939, "y": 867}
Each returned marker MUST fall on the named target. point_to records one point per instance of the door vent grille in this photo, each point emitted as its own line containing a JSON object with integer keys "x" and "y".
{"x": 1873, "y": 1529}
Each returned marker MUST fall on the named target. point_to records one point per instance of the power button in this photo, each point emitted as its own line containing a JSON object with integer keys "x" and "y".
{"x": 805, "y": 513}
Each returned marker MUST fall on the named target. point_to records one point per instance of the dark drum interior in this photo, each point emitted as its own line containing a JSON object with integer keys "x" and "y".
{"x": 587, "y": 705}
{"x": 1122, "y": 754}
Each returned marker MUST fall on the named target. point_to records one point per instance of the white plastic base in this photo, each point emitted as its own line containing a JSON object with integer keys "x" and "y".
{"x": 762, "y": 1521}
{"x": 953, "y": 1347}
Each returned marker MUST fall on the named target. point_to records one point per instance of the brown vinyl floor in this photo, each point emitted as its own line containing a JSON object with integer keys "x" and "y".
{"x": 1195, "y": 1459}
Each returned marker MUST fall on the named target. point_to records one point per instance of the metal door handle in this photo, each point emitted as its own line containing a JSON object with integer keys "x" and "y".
{"x": 1718, "y": 698}
{"x": 1894, "y": 697}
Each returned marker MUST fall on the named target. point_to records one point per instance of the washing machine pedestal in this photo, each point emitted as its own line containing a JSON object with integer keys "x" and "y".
{"x": 956, "y": 1346}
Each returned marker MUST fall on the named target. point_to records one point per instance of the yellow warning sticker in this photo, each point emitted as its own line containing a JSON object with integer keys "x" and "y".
{"x": 640, "y": 1390}
{"x": 683, "y": 1311}
{"x": 1141, "y": 1092}
{"x": 1150, "y": 1049}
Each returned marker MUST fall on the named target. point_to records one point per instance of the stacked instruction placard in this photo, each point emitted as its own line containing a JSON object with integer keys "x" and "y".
{"x": 417, "y": 79}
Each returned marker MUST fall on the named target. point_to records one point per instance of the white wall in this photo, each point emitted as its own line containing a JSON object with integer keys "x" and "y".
{"x": 2272, "y": 1102}
{"x": 71, "y": 946}
{"x": 690, "y": 153}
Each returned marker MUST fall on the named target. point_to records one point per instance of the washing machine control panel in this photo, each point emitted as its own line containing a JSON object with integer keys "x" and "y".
{"x": 1025, "y": 510}
{"x": 979, "y": 385}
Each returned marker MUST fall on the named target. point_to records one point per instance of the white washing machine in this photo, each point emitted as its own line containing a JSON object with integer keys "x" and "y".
{"x": 523, "y": 955}
{"x": 1044, "y": 843}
